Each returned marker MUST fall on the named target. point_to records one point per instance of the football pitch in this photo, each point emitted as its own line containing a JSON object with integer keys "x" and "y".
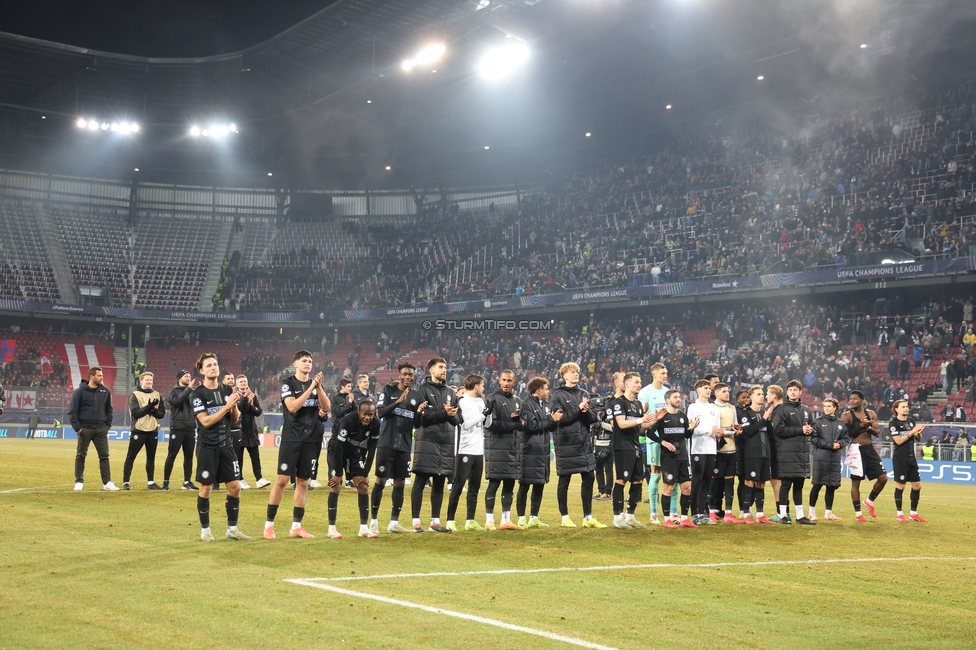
{"x": 94, "y": 569}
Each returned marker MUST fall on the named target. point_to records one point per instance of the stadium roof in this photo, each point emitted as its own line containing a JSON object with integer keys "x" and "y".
{"x": 325, "y": 103}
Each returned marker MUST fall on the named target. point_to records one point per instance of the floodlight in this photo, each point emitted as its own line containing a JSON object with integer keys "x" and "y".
{"x": 205, "y": 133}
{"x": 588, "y": 134}
{"x": 134, "y": 127}
{"x": 409, "y": 64}
{"x": 388, "y": 168}
{"x": 194, "y": 131}
{"x": 864, "y": 46}
{"x": 115, "y": 127}
{"x": 125, "y": 128}
{"x": 270, "y": 174}
{"x": 430, "y": 53}
{"x": 501, "y": 61}
{"x": 105, "y": 126}
{"x": 487, "y": 147}
{"x": 668, "y": 107}
{"x": 760, "y": 78}
{"x": 219, "y": 131}
{"x": 81, "y": 123}
{"x": 92, "y": 125}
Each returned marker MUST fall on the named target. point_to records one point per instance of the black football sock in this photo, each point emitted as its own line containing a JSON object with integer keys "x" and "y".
{"x": 636, "y": 492}
{"x": 618, "y": 499}
{"x": 333, "y": 507}
{"x": 233, "y": 510}
{"x": 374, "y": 506}
{"x": 397, "y": 503}
{"x": 363, "y": 509}
{"x": 203, "y": 509}
{"x": 914, "y": 495}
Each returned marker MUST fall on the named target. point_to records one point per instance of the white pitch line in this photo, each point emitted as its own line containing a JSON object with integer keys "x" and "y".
{"x": 447, "y": 612}
{"x": 38, "y": 487}
{"x": 626, "y": 567}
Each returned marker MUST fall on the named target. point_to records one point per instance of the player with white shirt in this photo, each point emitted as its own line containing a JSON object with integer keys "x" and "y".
{"x": 704, "y": 447}
{"x": 469, "y": 463}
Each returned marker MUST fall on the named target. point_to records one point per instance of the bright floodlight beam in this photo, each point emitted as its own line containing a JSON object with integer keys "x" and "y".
{"x": 500, "y": 62}
{"x": 194, "y": 131}
{"x": 81, "y": 123}
{"x": 430, "y": 53}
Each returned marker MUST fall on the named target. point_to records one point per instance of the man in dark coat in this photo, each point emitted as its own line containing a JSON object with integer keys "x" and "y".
{"x": 573, "y": 444}
{"x": 533, "y": 459}
{"x": 251, "y": 410}
{"x": 503, "y": 428}
{"x": 433, "y": 455}
{"x": 792, "y": 427}
{"x": 829, "y": 438}
{"x": 182, "y": 429}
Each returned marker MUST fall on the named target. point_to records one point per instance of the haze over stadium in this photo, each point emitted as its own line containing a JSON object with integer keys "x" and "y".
{"x": 486, "y": 247}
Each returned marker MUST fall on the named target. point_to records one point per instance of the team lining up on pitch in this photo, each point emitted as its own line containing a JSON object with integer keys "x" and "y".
{"x": 458, "y": 434}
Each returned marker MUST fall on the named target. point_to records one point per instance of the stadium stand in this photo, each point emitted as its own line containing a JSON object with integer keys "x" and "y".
{"x": 25, "y": 268}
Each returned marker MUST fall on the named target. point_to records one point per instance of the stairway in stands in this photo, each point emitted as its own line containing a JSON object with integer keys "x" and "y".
{"x": 213, "y": 272}
{"x": 55, "y": 251}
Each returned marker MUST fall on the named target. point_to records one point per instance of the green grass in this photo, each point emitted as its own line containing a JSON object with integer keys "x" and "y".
{"x": 105, "y": 570}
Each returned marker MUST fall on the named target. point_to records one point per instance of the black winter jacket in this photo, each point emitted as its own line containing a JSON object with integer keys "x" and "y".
{"x": 180, "y": 411}
{"x": 502, "y": 434}
{"x": 249, "y": 424}
{"x": 533, "y": 457}
{"x": 572, "y": 439}
{"x": 434, "y": 438}
{"x": 826, "y": 459}
{"x": 792, "y": 447}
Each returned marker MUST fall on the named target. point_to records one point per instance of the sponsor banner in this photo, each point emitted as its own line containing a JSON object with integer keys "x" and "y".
{"x": 114, "y": 434}
{"x": 934, "y": 471}
{"x": 18, "y": 431}
{"x": 581, "y": 296}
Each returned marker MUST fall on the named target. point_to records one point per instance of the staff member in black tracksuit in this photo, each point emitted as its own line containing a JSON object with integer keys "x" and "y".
{"x": 433, "y": 456}
{"x": 396, "y": 406}
{"x": 792, "y": 425}
{"x": 146, "y": 409}
{"x": 503, "y": 428}
{"x": 533, "y": 459}
{"x": 573, "y": 445}
{"x": 182, "y": 429}
{"x": 90, "y": 415}
{"x": 250, "y": 408}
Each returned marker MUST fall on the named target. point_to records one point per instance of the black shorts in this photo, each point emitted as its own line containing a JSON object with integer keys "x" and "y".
{"x": 756, "y": 469}
{"x": 906, "y": 470}
{"x": 725, "y": 465}
{"x": 629, "y": 465}
{"x": 391, "y": 463}
{"x": 675, "y": 467}
{"x": 342, "y": 459}
{"x": 870, "y": 462}
{"x": 217, "y": 465}
{"x": 298, "y": 459}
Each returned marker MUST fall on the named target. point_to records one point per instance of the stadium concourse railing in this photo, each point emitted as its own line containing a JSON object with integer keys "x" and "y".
{"x": 508, "y": 306}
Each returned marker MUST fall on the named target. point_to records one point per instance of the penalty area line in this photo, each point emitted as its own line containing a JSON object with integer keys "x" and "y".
{"x": 630, "y": 567}
{"x": 447, "y": 612}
